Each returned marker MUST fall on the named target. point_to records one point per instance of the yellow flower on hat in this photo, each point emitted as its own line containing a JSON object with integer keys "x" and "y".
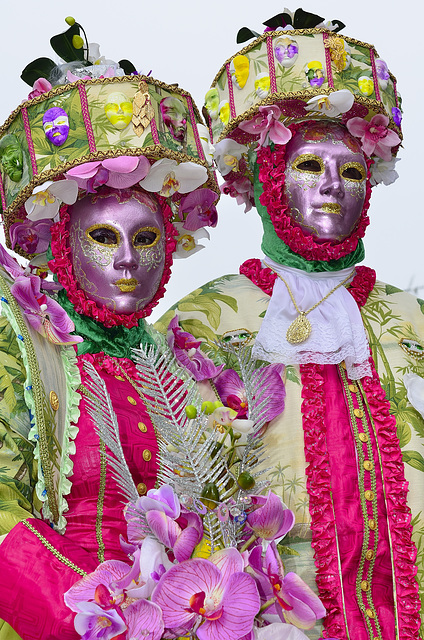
{"x": 366, "y": 85}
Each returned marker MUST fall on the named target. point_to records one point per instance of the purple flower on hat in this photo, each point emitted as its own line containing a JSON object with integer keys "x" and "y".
{"x": 240, "y": 189}
{"x": 382, "y": 69}
{"x": 32, "y": 237}
{"x": 397, "y": 116}
{"x": 376, "y": 137}
{"x": 119, "y": 173}
{"x": 188, "y": 354}
{"x": 40, "y": 86}
{"x": 198, "y": 209}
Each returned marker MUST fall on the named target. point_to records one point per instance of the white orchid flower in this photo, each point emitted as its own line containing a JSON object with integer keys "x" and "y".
{"x": 46, "y": 199}
{"x": 167, "y": 177}
{"x": 333, "y": 105}
{"x": 187, "y": 242}
{"x": 384, "y": 172}
{"x": 415, "y": 391}
{"x": 227, "y": 155}
{"x": 205, "y": 139}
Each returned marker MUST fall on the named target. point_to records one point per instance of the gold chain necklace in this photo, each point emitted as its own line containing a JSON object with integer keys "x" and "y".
{"x": 300, "y": 329}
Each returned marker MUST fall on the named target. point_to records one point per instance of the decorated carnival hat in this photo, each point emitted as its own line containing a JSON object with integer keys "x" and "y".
{"x": 92, "y": 122}
{"x": 300, "y": 69}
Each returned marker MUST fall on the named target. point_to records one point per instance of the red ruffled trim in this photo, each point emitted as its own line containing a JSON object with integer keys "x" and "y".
{"x": 271, "y": 175}
{"x": 319, "y": 479}
{"x": 109, "y": 364}
{"x": 61, "y": 265}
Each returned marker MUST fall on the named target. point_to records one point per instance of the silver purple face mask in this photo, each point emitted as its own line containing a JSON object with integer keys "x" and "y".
{"x": 325, "y": 181}
{"x": 117, "y": 251}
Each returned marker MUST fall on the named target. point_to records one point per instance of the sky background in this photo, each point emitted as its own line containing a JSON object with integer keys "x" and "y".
{"x": 187, "y": 42}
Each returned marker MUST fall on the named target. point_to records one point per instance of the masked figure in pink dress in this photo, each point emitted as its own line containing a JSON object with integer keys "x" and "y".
{"x": 306, "y": 156}
{"x": 103, "y": 225}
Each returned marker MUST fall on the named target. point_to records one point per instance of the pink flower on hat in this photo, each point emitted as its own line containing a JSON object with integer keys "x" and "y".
{"x": 376, "y": 137}
{"x": 267, "y": 124}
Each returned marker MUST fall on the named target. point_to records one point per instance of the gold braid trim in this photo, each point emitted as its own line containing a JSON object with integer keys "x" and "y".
{"x": 39, "y": 399}
{"x": 291, "y": 33}
{"x": 100, "y": 502}
{"x": 54, "y": 551}
{"x": 64, "y": 88}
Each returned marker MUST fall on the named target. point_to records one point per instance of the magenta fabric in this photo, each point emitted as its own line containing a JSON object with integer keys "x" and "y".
{"x": 33, "y": 581}
{"x": 348, "y": 514}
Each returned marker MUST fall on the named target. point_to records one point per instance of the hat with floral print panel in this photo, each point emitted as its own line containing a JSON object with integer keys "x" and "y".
{"x": 300, "y": 69}
{"x": 91, "y": 121}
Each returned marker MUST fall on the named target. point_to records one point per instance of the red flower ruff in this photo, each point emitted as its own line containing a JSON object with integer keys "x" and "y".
{"x": 61, "y": 265}
{"x": 271, "y": 175}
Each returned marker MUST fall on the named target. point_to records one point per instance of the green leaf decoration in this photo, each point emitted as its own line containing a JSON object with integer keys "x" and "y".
{"x": 339, "y": 25}
{"x": 198, "y": 329}
{"x": 62, "y": 44}
{"x": 287, "y": 551}
{"x": 391, "y": 289}
{"x": 245, "y": 34}
{"x": 39, "y": 68}
{"x": 127, "y": 66}
{"x": 305, "y": 20}
{"x": 280, "y": 20}
{"x": 403, "y": 433}
{"x": 414, "y": 459}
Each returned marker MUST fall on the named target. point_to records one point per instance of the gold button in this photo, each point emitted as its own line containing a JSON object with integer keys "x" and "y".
{"x": 141, "y": 489}
{"x": 358, "y": 413}
{"x": 369, "y": 554}
{"x": 365, "y": 585}
{"x": 147, "y": 455}
{"x": 353, "y": 388}
{"x": 120, "y": 378}
{"x": 363, "y": 437}
{"x": 343, "y": 364}
{"x": 131, "y": 400}
{"x": 54, "y": 400}
{"x": 368, "y": 465}
{"x": 372, "y": 524}
{"x": 142, "y": 427}
{"x": 370, "y": 613}
{"x": 369, "y": 495}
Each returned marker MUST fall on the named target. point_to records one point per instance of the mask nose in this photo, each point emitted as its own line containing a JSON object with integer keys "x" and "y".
{"x": 126, "y": 257}
{"x": 332, "y": 183}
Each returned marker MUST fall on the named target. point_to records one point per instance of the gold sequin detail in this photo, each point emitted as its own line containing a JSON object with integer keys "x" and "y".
{"x": 142, "y": 109}
{"x": 358, "y": 413}
{"x": 147, "y": 455}
{"x": 369, "y": 495}
{"x": 131, "y": 400}
{"x": 372, "y": 524}
{"x": 120, "y": 378}
{"x": 142, "y": 427}
{"x": 353, "y": 388}
{"x": 370, "y": 613}
{"x": 363, "y": 437}
{"x": 368, "y": 465}
{"x": 369, "y": 554}
{"x": 54, "y": 400}
{"x": 141, "y": 489}
{"x": 365, "y": 585}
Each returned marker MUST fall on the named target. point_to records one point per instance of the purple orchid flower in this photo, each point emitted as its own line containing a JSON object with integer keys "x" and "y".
{"x": 182, "y": 536}
{"x": 119, "y": 173}
{"x": 266, "y": 123}
{"x": 104, "y": 576}
{"x": 150, "y": 563}
{"x": 31, "y": 236}
{"x": 162, "y": 499}
{"x": 376, "y": 137}
{"x": 94, "y": 622}
{"x": 271, "y": 519}
{"x": 144, "y": 620}
{"x": 198, "y": 209}
{"x": 44, "y": 314}
{"x": 187, "y": 352}
{"x": 397, "y": 116}
{"x": 218, "y": 596}
{"x": 232, "y": 392}
{"x": 240, "y": 189}
{"x": 295, "y": 602}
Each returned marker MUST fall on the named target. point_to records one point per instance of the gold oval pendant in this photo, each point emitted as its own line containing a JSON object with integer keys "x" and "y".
{"x": 299, "y": 330}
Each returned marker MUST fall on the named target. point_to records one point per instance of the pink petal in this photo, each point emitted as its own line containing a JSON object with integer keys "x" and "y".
{"x": 84, "y": 589}
{"x": 26, "y": 290}
{"x": 368, "y": 146}
{"x": 124, "y": 180}
{"x": 379, "y": 120}
{"x": 144, "y": 616}
{"x": 86, "y": 170}
{"x": 122, "y": 164}
{"x": 228, "y": 383}
{"x": 11, "y": 265}
{"x": 382, "y": 151}
{"x": 279, "y": 134}
{"x": 165, "y": 529}
{"x": 228, "y": 561}
{"x": 307, "y": 607}
{"x": 185, "y": 543}
{"x": 357, "y": 126}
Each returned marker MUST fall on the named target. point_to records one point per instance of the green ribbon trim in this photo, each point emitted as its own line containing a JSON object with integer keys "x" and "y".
{"x": 115, "y": 341}
{"x": 277, "y": 250}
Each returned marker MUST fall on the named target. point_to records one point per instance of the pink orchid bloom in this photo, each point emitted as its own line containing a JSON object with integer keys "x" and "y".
{"x": 182, "y": 536}
{"x": 44, "y": 314}
{"x": 13, "y": 268}
{"x": 240, "y": 189}
{"x": 268, "y": 126}
{"x": 376, "y": 137}
{"x": 198, "y": 209}
{"x": 40, "y": 86}
{"x": 93, "y": 621}
{"x": 162, "y": 499}
{"x": 98, "y": 586}
{"x": 232, "y": 392}
{"x": 214, "y": 595}
{"x": 271, "y": 519}
{"x": 150, "y": 563}
{"x": 187, "y": 352}
{"x": 119, "y": 173}
{"x": 295, "y": 602}
{"x": 32, "y": 237}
